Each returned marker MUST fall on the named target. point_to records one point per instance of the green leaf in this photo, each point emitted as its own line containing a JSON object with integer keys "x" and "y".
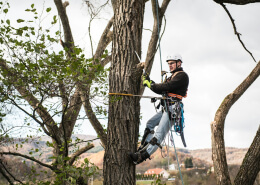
{"x": 32, "y": 5}
{"x": 5, "y": 10}
{"x": 48, "y": 9}
{"x": 67, "y": 158}
{"x": 19, "y": 32}
{"x": 8, "y": 22}
{"x": 20, "y": 20}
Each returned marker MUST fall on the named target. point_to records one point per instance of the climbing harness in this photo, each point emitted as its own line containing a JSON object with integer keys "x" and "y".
{"x": 176, "y": 116}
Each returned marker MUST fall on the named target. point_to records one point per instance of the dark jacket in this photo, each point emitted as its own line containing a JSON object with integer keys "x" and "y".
{"x": 176, "y": 85}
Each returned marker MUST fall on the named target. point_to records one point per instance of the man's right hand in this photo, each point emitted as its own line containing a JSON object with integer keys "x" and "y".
{"x": 146, "y": 81}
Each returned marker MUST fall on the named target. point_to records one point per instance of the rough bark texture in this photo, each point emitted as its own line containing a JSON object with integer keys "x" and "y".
{"x": 217, "y": 128}
{"x": 123, "y": 123}
{"x": 251, "y": 164}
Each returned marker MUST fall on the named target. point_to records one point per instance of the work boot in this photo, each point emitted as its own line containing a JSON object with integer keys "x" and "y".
{"x": 139, "y": 157}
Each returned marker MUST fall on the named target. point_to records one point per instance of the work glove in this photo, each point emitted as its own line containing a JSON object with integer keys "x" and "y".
{"x": 146, "y": 81}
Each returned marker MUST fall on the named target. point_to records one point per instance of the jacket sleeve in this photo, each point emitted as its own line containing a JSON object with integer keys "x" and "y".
{"x": 174, "y": 84}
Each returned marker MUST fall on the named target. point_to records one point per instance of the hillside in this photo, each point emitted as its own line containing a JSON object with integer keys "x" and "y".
{"x": 201, "y": 157}
{"x": 234, "y": 155}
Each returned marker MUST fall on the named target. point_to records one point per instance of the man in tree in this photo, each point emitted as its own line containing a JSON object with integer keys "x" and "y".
{"x": 174, "y": 88}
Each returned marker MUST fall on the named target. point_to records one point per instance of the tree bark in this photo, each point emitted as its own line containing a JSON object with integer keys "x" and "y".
{"x": 217, "y": 128}
{"x": 251, "y": 164}
{"x": 123, "y": 123}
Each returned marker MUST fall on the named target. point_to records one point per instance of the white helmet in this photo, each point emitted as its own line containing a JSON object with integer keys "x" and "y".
{"x": 174, "y": 57}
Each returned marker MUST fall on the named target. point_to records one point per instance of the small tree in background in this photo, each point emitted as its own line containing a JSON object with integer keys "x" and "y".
{"x": 188, "y": 163}
{"x": 46, "y": 84}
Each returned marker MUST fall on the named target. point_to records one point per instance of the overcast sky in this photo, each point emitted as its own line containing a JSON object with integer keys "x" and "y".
{"x": 216, "y": 63}
{"x": 212, "y": 56}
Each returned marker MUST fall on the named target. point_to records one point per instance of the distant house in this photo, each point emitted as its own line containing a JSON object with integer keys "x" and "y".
{"x": 157, "y": 171}
{"x": 172, "y": 167}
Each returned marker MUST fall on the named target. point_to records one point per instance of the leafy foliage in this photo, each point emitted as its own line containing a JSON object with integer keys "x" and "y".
{"x": 39, "y": 79}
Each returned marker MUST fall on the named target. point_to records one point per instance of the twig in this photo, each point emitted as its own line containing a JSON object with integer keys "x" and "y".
{"x": 79, "y": 152}
{"x": 235, "y": 30}
{"x": 83, "y": 141}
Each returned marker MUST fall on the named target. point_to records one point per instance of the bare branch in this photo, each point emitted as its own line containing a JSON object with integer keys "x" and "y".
{"x": 30, "y": 158}
{"x": 65, "y": 23}
{"x": 83, "y": 142}
{"x": 235, "y": 29}
{"x": 91, "y": 115}
{"x": 105, "y": 39}
{"x": 217, "y": 126}
{"x": 32, "y": 116}
{"x": 79, "y": 152}
{"x": 106, "y": 60}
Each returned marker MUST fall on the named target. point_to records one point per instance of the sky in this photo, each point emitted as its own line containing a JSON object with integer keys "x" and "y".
{"x": 214, "y": 59}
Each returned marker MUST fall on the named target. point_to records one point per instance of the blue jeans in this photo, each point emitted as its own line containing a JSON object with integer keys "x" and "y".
{"x": 161, "y": 119}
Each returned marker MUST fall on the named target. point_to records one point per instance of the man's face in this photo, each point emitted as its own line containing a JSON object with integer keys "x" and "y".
{"x": 172, "y": 65}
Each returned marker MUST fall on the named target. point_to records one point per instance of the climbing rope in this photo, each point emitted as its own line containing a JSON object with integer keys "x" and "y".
{"x": 172, "y": 140}
{"x": 159, "y": 39}
{"x": 157, "y": 14}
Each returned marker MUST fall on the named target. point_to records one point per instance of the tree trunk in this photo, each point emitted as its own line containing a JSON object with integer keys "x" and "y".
{"x": 123, "y": 123}
{"x": 251, "y": 164}
{"x": 217, "y": 129}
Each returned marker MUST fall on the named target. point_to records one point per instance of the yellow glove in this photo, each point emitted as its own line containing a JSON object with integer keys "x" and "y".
{"x": 146, "y": 81}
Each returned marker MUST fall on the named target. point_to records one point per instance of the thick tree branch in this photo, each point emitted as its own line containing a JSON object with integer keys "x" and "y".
{"x": 236, "y": 94}
{"x": 152, "y": 47}
{"x": 79, "y": 152}
{"x": 105, "y": 39}
{"x": 73, "y": 111}
{"x": 65, "y": 23}
{"x": 237, "y": 2}
{"x": 235, "y": 30}
{"x": 251, "y": 164}
{"x": 217, "y": 127}
{"x": 92, "y": 117}
{"x": 106, "y": 60}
